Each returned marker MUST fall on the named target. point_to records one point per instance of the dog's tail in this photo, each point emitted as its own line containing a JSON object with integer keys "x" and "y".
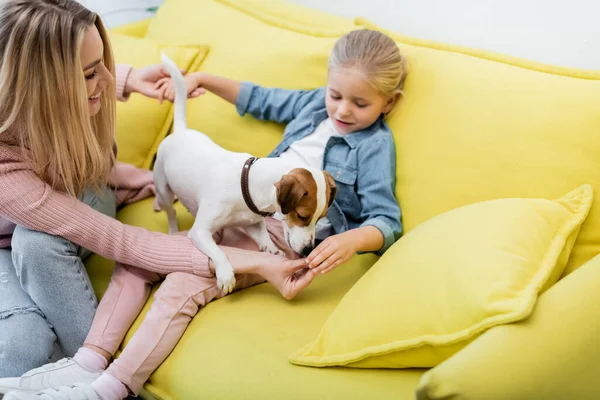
{"x": 179, "y": 121}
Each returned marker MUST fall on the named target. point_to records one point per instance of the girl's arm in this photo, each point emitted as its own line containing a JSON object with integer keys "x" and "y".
{"x": 272, "y": 104}
{"x": 375, "y": 185}
{"x": 143, "y": 80}
{"x": 337, "y": 249}
{"x": 380, "y": 212}
{"x": 226, "y": 88}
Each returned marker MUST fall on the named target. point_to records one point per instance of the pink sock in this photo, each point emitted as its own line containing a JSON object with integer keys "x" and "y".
{"x": 109, "y": 388}
{"x": 90, "y": 360}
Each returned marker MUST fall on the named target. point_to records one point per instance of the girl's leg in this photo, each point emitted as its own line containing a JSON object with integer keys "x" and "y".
{"x": 26, "y": 339}
{"x": 175, "y": 304}
{"x": 51, "y": 271}
{"x": 127, "y": 292}
{"x": 125, "y": 297}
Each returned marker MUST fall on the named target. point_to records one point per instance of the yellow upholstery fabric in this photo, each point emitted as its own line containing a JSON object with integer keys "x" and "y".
{"x": 249, "y": 40}
{"x": 511, "y": 127}
{"x": 478, "y": 128}
{"x": 237, "y": 347}
{"x": 554, "y": 354}
{"x": 448, "y": 280}
{"x": 136, "y": 29}
{"x": 473, "y": 126}
{"x": 142, "y": 123}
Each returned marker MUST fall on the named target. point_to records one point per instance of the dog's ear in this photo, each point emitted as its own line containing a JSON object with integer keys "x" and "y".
{"x": 289, "y": 193}
{"x": 332, "y": 187}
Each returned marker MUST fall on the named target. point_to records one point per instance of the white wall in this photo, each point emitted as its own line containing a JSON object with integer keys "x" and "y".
{"x": 558, "y": 32}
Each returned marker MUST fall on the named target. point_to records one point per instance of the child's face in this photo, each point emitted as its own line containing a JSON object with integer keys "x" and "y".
{"x": 352, "y": 103}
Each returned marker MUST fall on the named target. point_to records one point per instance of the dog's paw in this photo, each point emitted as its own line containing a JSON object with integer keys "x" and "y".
{"x": 271, "y": 248}
{"x": 225, "y": 279}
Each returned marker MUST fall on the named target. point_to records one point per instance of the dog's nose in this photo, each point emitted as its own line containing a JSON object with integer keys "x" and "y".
{"x": 307, "y": 250}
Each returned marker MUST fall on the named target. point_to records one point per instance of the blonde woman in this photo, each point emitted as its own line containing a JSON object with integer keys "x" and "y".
{"x": 340, "y": 127}
{"x": 60, "y": 186}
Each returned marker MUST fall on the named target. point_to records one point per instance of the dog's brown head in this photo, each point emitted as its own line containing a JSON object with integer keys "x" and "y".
{"x": 304, "y": 196}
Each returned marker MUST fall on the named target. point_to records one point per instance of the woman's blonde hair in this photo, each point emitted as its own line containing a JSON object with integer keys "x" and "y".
{"x": 376, "y": 55}
{"x": 43, "y": 94}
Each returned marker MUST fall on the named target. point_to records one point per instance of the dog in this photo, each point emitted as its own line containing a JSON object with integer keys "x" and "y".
{"x": 217, "y": 187}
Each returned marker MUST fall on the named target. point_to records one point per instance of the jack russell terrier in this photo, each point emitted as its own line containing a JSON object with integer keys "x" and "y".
{"x": 223, "y": 188}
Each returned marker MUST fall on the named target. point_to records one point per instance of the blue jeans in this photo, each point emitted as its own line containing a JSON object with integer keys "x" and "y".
{"x": 47, "y": 302}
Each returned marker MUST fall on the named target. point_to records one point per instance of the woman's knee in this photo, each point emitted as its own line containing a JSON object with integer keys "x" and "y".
{"x": 33, "y": 249}
{"x": 103, "y": 201}
{"x": 27, "y": 342}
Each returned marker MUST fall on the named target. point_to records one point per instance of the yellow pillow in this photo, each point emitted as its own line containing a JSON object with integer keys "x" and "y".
{"x": 554, "y": 354}
{"x": 142, "y": 123}
{"x": 271, "y": 43}
{"x": 136, "y": 29}
{"x": 476, "y": 126}
{"x": 449, "y": 280}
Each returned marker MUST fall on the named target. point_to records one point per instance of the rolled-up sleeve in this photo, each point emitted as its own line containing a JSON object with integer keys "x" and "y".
{"x": 122, "y": 72}
{"x": 271, "y": 104}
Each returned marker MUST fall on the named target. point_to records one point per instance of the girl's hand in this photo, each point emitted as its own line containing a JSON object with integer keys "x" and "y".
{"x": 143, "y": 80}
{"x": 166, "y": 89}
{"x": 331, "y": 252}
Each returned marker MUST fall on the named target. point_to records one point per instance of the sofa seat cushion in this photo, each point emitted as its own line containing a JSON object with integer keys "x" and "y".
{"x": 238, "y": 347}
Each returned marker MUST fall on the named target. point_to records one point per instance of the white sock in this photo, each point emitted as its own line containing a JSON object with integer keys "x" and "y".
{"x": 90, "y": 360}
{"x": 109, "y": 388}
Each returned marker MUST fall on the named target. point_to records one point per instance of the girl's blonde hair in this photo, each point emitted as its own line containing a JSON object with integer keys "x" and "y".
{"x": 43, "y": 94}
{"x": 376, "y": 55}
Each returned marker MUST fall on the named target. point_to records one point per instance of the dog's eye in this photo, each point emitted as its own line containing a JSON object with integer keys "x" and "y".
{"x": 303, "y": 218}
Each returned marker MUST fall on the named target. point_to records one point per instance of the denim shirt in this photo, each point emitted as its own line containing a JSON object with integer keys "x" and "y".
{"x": 362, "y": 163}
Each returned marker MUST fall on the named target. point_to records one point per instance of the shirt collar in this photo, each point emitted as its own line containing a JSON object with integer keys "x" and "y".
{"x": 352, "y": 139}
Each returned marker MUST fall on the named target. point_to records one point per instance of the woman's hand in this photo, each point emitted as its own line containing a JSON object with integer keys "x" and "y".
{"x": 193, "y": 87}
{"x": 144, "y": 81}
{"x": 289, "y": 278}
{"x": 331, "y": 252}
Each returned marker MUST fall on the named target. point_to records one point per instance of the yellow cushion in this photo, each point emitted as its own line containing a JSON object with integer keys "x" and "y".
{"x": 142, "y": 123}
{"x": 473, "y": 126}
{"x": 272, "y": 43}
{"x": 237, "y": 347}
{"x": 450, "y": 279}
{"x": 477, "y": 126}
{"x": 554, "y": 354}
{"x": 136, "y": 29}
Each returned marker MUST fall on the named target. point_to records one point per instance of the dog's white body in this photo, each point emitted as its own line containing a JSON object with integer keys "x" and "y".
{"x": 206, "y": 179}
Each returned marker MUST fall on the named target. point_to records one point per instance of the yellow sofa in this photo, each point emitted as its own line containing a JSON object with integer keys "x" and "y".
{"x": 472, "y": 126}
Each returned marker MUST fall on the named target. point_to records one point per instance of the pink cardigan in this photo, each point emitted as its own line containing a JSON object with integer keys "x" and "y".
{"x": 28, "y": 201}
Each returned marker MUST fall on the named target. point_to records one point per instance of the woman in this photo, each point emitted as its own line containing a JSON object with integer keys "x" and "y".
{"x": 57, "y": 180}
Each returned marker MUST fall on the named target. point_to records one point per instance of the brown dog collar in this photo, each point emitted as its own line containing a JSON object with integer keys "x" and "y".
{"x": 246, "y": 191}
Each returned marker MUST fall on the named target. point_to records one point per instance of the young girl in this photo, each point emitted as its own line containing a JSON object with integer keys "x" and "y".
{"x": 340, "y": 127}
{"x": 60, "y": 185}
